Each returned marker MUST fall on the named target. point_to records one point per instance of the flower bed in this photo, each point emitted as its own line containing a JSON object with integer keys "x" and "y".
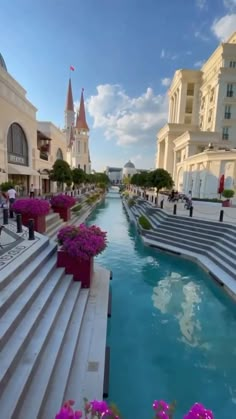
{"x": 82, "y": 242}
{"x": 62, "y": 204}
{"x": 100, "y": 409}
{"x": 78, "y": 247}
{"x": 63, "y": 201}
{"x": 35, "y": 209}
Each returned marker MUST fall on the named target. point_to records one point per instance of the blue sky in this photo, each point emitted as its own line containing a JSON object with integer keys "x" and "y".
{"x": 124, "y": 52}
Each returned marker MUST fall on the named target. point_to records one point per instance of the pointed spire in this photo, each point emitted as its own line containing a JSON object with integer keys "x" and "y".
{"x": 69, "y": 99}
{"x": 81, "y": 117}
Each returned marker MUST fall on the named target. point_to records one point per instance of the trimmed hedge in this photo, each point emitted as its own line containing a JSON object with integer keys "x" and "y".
{"x": 76, "y": 208}
{"x": 207, "y": 200}
{"x": 144, "y": 222}
{"x": 131, "y": 202}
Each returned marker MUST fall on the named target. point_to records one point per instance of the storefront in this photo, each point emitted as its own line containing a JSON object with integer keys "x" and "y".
{"x": 19, "y": 172}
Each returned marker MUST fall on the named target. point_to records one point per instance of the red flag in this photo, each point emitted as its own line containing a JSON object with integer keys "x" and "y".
{"x": 221, "y": 184}
{"x": 72, "y": 68}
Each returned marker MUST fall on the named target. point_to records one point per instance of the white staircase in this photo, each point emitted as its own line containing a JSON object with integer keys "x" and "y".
{"x": 42, "y": 311}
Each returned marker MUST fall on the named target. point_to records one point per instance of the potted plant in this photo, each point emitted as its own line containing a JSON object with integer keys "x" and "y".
{"x": 35, "y": 209}
{"x": 227, "y": 193}
{"x": 78, "y": 246}
{"x": 62, "y": 204}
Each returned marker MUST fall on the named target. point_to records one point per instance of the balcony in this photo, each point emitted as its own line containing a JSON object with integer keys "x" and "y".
{"x": 190, "y": 92}
{"x": 43, "y": 155}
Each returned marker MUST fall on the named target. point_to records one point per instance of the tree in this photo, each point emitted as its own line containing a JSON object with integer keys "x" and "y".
{"x": 141, "y": 179}
{"x": 78, "y": 176}
{"x": 61, "y": 173}
{"x": 160, "y": 179}
{"x": 102, "y": 178}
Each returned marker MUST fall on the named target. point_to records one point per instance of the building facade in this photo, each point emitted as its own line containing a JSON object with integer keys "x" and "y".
{"x": 77, "y": 133}
{"x": 29, "y": 148}
{"x": 202, "y": 111}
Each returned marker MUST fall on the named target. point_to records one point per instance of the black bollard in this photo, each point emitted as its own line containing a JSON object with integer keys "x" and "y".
{"x": 11, "y": 213}
{"x": 19, "y": 223}
{"x": 5, "y": 215}
{"x": 162, "y": 203}
{"x": 190, "y": 211}
{"x": 72, "y": 193}
{"x": 221, "y": 215}
{"x": 175, "y": 209}
{"x": 31, "y": 229}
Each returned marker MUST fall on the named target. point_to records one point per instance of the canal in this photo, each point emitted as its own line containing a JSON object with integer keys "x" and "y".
{"x": 173, "y": 330}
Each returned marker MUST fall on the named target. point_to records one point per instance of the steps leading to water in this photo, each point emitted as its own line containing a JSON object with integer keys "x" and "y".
{"x": 214, "y": 240}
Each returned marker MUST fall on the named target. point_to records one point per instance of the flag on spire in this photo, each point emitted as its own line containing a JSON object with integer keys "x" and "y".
{"x": 72, "y": 68}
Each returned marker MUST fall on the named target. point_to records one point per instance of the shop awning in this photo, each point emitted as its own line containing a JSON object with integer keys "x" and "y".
{"x": 15, "y": 169}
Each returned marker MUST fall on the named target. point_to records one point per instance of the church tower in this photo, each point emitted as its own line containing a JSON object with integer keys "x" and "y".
{"x": 80, "y": 156}
{"x": 69, "y": 110}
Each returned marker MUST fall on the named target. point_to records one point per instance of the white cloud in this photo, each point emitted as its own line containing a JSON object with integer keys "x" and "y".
{"x": 166, "y": 81}
{"x": 162, "y": 53}
{"x": 199, "y": 63}
{"x": 230, "y": 5}
{"x": 201, "y": 4}
{"x": 224, "y": 27}
{"x": 201, "y": 36}
{"x": 136, "y": 158}
{"x": 126, "y": 119}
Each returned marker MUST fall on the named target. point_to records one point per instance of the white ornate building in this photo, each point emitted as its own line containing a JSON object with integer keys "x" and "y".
{"x": 77, "y": 133}
{"x": 198, "y": 143}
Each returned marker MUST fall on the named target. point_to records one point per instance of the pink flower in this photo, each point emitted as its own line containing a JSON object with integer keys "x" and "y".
{"x": 198, "y": 411}
{"x": 31, "y": 206}
{"x": 64, "y": 201}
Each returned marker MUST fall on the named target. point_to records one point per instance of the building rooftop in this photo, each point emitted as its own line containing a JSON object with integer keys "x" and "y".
{"x": 129, "y": 165}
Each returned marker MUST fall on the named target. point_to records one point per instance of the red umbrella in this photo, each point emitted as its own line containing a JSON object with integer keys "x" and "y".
{"x": 221, "y": 184}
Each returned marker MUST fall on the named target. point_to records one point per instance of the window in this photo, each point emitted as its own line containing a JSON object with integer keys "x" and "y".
{"x": 59, "y": 155}
{"x": 210, "y": 116}
{"x": 85, "y": 168}
{"x": 190, "y": 89}
{"x": 78, "y": 146}
{"x": 227, "y": 112}
{"x": 232, "y": 64}
{"x": 230, "y": 90}
{"x": 78, "y": 166}
{"x": 85, "y": 148}
{"x": 211, "y": 95}
{"x": 225, "y": 133}
{"x": 17, "y": 146}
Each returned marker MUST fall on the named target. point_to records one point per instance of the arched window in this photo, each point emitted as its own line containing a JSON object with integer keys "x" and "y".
{"x": 59, "y": 154}
{"x": 17, "y": 147}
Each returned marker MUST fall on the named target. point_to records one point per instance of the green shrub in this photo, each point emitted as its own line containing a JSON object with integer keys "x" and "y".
{"x": 5, "y": 186}
{"x": 76, "y": 208}
{"x": 208, "y": 200}
{"x": 131, "y": 202}
{"x": 144, "y": 222}
{"x": 228, "y": 193}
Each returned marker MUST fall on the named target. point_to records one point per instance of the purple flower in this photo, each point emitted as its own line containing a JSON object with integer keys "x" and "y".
{"x": 31, "y": 206}
{"x": 198, "y": 411}
{"x": 82, "y": 242}
{"x": 63, "y": 201}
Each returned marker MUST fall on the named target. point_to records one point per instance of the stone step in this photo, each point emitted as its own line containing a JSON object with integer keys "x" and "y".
{"x": 52, "y": 218}
{"x": 194, "y": 234}
{"x": 224, "y": 256}
{"x": 25, "y": 298}
{"x": 50, "y": 360}
{"x": 24, "y": 273}
{"x": 49, "y": 324}
{"x": 222, "y": 264}
{"x": 201, "y": 222}
{"x": 56, "y": 391}
{"x": 181, "y": 243}
{"x": 55, "y": 289}
{"x": 55, "y": 226}
{"x": 23, "y": 261}
{"x": 182, "y": 235}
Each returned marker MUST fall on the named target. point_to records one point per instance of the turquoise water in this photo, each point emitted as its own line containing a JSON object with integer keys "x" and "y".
{"x": 173, "y": 330}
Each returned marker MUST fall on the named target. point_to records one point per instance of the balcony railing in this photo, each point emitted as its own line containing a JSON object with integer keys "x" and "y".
{"x": 43, "y": 155}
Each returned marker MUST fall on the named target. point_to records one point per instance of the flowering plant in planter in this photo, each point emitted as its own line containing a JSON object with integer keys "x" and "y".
{"x": 100, "y": 409}
{"x": 63, "y": 201}
{"x": 33, "y": 207}
{"x": 82, "y": 242}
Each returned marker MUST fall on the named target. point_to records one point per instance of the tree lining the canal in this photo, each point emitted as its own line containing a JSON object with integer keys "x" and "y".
{"x": 158, "y": 179}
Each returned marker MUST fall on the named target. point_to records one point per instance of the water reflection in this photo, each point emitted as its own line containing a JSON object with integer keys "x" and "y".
{"x": 174, "y": 288}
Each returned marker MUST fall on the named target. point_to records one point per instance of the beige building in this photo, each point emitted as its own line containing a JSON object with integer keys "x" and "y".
{"x": 28, "y": 148}
{"x": 77, "y": 133}
{"x": 202, "y": 111}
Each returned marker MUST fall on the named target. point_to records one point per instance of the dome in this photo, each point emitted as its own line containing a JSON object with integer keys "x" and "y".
{"x": 2, "y": 63}
{"x": 129, "y": 165}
